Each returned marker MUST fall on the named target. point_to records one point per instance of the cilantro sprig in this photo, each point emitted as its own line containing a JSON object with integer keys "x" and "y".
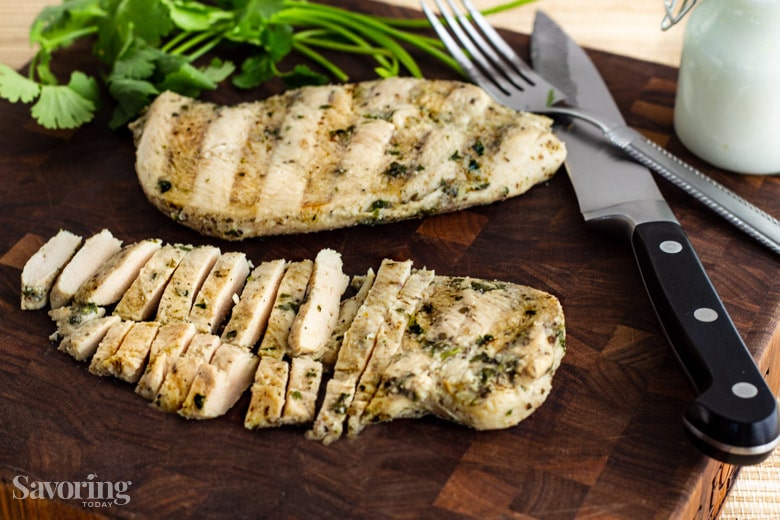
{"x": 148, "y": 46}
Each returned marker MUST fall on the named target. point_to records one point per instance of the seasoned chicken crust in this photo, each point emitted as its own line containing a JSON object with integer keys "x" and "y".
{"x": 334, "y": 156}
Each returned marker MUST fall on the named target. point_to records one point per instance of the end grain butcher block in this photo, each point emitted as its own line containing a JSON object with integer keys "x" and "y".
{"x": 608, "y": 442}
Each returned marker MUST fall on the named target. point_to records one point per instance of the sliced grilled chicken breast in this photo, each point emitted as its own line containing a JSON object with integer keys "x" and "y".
{"x": 221, "y": 286}
{"x": 289, "y": 298}
{"x": 140, "y": 301}
{"x": 176, "y": 385}
{"x": 250, "y": 315}
{"x": 69, "y": 318}
{"x": 129, "y": 360}
{"x": 338, "y": 155}
{"x": 356, "y": 349}
{"x": 268, "y": 394}
{"x": 172, "y": 339}
{"x": 388, "y": 341}
{"x": 347, "y": 311}
{"x": 302, "y": 391}
{"x": 43, "y": 267}
{"x": 108, "y": 347}
{"x": 219, "y": 384}
{"x": 186, "y": 281}
{"x": 83, "y": 341}
{"x": 407, "y": 343}
{"x": 96, "y": 250}
{"x": 107, "y": 285}
{"x": 319, "y": 313}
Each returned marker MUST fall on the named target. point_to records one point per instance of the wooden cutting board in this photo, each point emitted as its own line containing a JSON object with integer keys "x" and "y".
{"x": 608, "y": 443}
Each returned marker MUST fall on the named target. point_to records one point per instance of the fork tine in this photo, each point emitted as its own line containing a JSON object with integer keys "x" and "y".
{"x": 500, "y": 64}
{"x": 482, "y": 72}
{"x": 452, "y": 47}
{"x": 500, "y": 44}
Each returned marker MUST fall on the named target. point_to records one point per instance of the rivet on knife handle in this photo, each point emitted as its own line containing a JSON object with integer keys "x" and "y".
{"x": 745, "y": 216}
{"x": 734, "y": 416}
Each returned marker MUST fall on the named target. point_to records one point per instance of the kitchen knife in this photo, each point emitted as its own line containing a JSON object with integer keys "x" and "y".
{"x": 746, "y": 217}
{"x": 734, "y": 416}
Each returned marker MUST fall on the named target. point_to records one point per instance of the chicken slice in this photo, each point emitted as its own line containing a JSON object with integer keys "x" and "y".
{"x": 68, "y": 319}
{"x": 220, "y": 383}
{"x": 176, "y": 300}
{"x": 302, "y": 391}
{"x": 176, "y": 385}
{"x": 289, "y": 298}
{"x": 250, "y": 315}
{"x": 347, "y": 312}
{"x": 140, "y": 301}
{"x": 96, "y": 250}
{"x": 83, "y": 341}
{"x": 319, "y": 313}
{"x": 172, "y": 339}
{"x": 107, "y": 285}
{"x": 416, "y": 288}
{"x": 215, "y": 298}
{"x": 129, "y": 360}
{"x": 42, "y": 268}
{"x": 108, "y": 346}
{"x": 268, "y": 393}
{"x": 356, "y": 349}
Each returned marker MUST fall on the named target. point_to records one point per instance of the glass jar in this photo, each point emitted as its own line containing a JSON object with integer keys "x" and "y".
{"x": 727, "y": 109}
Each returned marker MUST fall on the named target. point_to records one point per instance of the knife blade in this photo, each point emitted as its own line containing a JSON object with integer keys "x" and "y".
{"x": 734, "y": 415}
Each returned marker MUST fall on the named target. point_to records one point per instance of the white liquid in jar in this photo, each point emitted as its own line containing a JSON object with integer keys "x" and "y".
{"x": 727, "y": 110}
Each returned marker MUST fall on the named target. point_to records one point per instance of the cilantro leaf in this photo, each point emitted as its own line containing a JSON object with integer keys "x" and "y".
{"x": 128, "y": 19}
{"x": 190, "y": 80}
{"x": 59, "y": 25}
{"x": 302, "y": 75}
{"x": 193, "y": 16}
{"x": 255, "y": 71}
{"x": 64, "y": 106}
{"x": 132, "y": 96}
{"x": 14, "y": 87}
{"x": 137, "y": 61}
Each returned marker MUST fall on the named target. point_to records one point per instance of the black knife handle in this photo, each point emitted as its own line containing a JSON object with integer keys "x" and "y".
{"x": 734, "y": 416}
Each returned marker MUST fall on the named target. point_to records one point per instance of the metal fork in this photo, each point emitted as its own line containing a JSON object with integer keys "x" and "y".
{"x": 492, "y": 64}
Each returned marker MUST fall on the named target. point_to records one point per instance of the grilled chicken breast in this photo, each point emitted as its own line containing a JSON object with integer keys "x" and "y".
{"x": 334, "y": 156}
{"x": 403, "y": 343}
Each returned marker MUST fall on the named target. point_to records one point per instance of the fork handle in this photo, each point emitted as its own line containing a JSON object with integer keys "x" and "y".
{"x": 750, "y": 219}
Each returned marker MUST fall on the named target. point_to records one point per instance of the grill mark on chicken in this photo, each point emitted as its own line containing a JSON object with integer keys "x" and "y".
{"x": 189, "y": 127}
{"x": 260, "y": 143}
{"x": 295, "y": 153}
{"x": 330, "y": 138}
{"x": 221, "y": 155}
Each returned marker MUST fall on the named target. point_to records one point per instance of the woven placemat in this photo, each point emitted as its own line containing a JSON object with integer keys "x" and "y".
{"x": 756, "y": 493}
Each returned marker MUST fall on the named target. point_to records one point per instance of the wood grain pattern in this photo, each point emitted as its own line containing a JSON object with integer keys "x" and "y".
{"x": 608, "y": 443}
